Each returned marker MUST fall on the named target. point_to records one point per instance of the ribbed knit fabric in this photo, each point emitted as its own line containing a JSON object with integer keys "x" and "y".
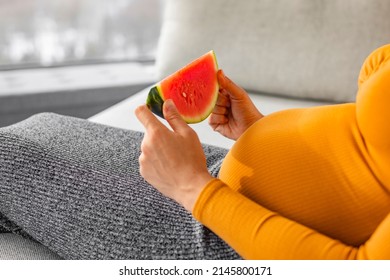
{"x": 74, "y": 186}
{"x": 310, "y": 183}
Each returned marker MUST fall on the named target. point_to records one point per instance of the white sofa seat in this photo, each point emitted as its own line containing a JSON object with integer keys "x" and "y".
{"x": 122, "y": 115}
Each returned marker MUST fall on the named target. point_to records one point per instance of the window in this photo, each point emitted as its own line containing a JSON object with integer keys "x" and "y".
{"x": 38, "y": 33}
{"x": 88, "y": 39}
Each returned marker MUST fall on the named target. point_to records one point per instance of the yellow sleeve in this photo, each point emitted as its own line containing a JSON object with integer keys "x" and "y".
{"x": 257, "y": 233}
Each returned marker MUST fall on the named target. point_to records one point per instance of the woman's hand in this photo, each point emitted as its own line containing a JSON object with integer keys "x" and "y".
{"x": 234, "y": 112}
{"x": 172, "y": 161}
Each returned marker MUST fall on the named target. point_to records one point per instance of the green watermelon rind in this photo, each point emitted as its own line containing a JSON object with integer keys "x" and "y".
{"x": 155, "y": 101}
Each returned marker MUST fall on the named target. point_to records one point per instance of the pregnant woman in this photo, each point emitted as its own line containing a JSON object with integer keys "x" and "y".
{"x": 309, "y": 183}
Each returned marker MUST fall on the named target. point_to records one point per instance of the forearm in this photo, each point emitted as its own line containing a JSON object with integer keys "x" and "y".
{"x": 257, "y": 233}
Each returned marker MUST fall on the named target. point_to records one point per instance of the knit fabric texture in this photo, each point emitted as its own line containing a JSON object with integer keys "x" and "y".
{"x": 74, "y": 186}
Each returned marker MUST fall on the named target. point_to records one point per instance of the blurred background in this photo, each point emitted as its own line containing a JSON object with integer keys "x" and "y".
{"x": 53, "y": 32}
{"x": 50, "y": 49}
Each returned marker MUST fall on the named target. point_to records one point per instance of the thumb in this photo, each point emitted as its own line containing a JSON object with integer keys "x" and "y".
{"x": 173, "y": 117}
{"x": 234, "y": 90}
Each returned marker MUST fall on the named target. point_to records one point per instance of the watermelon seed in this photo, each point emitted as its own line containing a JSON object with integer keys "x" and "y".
{"x": 184, "y": 94}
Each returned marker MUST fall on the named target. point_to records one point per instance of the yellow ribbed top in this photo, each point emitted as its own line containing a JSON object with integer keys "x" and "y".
{"x": 310, "y": 183}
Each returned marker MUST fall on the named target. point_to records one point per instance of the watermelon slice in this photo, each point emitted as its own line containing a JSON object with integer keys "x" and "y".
{"x": 193, "y": 89}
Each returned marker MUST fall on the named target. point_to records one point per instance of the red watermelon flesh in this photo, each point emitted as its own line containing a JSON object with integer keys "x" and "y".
{"x": 193, "y": 89}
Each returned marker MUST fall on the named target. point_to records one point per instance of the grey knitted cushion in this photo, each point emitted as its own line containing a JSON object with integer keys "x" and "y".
{"x": 74, "y": 186}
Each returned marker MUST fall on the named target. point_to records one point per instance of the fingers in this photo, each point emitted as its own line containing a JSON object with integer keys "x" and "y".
{"x": 223, "y": 98}
{"x": 225, "y": 83}
{"x": 223, "y": 103}
{"x": 146, "y": 117}
{"x": 220, "y": 110}
{"x": 219, "y": 115}
{"x": 173, "y": 117}
{"x": 216, "y": 120}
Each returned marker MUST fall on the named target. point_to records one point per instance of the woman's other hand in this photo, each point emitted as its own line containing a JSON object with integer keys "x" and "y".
{"x": 234, "y": 112}
{"x": 172, "y": 161}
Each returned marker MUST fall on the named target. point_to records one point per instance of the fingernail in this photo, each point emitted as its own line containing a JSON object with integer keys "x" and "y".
{"x": 221, "y": 75}
{"x": 169, "y": 104}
